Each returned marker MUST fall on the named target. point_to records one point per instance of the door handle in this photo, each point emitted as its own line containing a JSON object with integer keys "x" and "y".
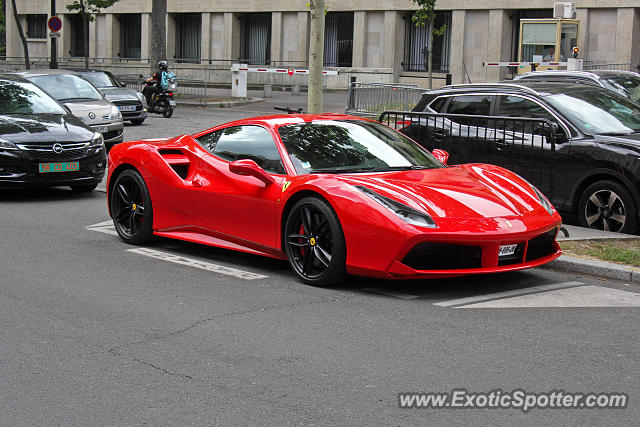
{"x": 196, "y": 183}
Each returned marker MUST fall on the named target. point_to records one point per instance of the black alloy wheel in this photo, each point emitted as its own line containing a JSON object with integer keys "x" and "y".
{"x": 314, "y": 243}
{"x": 608, "y": 206}
{"x": 131, "y": 208}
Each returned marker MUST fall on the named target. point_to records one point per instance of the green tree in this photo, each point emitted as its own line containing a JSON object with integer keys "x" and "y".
{"x": 86, "y": 9}
{"x": 426, "y": 15}
{"x": 316, "y": 56}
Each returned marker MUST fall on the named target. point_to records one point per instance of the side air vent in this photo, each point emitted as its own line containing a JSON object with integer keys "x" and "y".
{"x": 178, "y": 161}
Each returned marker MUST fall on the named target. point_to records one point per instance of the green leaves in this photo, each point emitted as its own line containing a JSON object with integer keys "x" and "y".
{"x": 425, "y": 14}
{"x": 87, "y": 8}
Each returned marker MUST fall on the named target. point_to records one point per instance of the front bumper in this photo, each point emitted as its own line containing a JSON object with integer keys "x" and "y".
{"x": 113, "y": 133}
{"x": 131, "y": 110}
{"x": 21, "y": 169}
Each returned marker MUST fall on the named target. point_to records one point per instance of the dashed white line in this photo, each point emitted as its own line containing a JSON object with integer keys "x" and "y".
{"x": 202, "y": 265}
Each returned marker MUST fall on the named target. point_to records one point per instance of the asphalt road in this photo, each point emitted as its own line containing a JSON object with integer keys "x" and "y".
{"x": 95, "y": 331}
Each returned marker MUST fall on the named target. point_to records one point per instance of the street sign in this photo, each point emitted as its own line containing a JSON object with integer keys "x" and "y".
{"x": 55, "y": 24}
{"x": 54, "y": 35}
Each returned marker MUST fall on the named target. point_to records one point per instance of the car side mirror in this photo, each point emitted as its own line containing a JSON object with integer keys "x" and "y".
{"x": 555, "y": 131}
{"x": 441, "y": 156}
{"x": 123, "y": 84}
{"x": 248, "y": 167}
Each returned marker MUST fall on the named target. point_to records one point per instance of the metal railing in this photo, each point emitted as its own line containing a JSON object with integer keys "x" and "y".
{"x": 526, "y": 146}
{"x": 371, "y": 99}
{"x": 622, "y": 67}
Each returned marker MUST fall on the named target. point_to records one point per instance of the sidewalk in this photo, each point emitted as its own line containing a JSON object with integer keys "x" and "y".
{"x": 603, "y": 269}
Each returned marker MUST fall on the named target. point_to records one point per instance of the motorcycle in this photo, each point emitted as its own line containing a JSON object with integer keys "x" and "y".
{"x": 162, "y": 101}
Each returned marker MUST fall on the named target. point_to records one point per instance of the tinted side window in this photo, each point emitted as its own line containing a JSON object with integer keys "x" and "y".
{"x": 470, "y": 104}
{"x": 246, "y": 142}
{"x": 516, "y": 106}
{"x": 438, "y": 104}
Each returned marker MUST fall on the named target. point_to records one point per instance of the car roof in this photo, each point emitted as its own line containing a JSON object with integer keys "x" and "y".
{"x": 536, "y": 87}
{"x": 590, "y": 74}
{"x": 13, "y": 78}
{"x": 44, "y": 72}
{"x": 85, "y": 70}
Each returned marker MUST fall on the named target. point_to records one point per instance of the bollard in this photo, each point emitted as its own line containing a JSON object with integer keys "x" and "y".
{"x": 239, "y": 81}
{"x": 295, "y": 89}
{"x": 268, "y": 89}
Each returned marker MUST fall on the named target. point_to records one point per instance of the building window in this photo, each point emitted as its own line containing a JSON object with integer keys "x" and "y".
{"x": 338, "y": 39}
{"x": 130, "y": 35}
{"x": 417, "y": 45}
{"x": 188, "y": 37}
{"x": 256, "y": 38}
{"x": 37, "y": 26}
{"x": 76, "y": 35}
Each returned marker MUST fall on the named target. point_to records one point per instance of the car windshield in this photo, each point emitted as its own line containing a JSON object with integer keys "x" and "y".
{"x": 67, "y": 87}
{"x": 596, "y": 111}
{"x": 26, "y": 98}
{"x": 628, "y": 85}
{"x": 100, "y": 79}
{"x": 348, "y": 146}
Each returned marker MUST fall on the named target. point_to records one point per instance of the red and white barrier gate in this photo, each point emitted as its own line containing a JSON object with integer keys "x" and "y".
{"x": 239, "y": 76}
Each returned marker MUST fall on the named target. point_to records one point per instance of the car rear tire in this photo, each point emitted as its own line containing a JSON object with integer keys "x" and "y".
{"x": 608, "y": 206}
{"x": 84, "y": 188}
{"x": 314, "y": 243}
{"x": 131, "y": 208}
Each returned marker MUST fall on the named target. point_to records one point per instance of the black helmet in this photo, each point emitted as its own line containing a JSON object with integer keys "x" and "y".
{"x": 163, "y": 65}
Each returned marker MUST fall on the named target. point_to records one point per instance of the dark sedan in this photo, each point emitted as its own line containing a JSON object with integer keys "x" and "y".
{"x": 42, "y": 144}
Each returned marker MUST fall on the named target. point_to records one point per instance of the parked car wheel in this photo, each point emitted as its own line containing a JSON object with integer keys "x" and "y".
{"x": 608, "y": 206}
{"x": 131, "y": 208}
{"x": 315, "y": 243}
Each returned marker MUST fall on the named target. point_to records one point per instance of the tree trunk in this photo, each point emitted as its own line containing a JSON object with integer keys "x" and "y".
{"x": 430, "y": 55}
{"x": 85, "y": 31}
{"x": 25, "y": 46}
{"x": 316, "y": 57}
{"x": 157, "y": 34}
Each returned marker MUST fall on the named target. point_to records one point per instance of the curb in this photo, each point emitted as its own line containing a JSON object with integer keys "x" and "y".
{"x": 219, "y": 104}
{"x": 600, "y": 269}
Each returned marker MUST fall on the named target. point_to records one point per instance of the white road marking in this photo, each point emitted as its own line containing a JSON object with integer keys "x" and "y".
{"x": 103, "y": 227}
{"x": 506, "y": 294}
{"x": 583, "y": 296}
{"x": 190, "y": 262}
{"x": 391, "y": 293}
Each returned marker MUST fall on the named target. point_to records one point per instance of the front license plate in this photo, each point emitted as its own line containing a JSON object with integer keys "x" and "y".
{"x": 59, "y": 167}
{"x": 172, "y": 102}
{"x": 127, "y": 107}
{"x": 102, "y": 129}
{"x": 507, "y": 250}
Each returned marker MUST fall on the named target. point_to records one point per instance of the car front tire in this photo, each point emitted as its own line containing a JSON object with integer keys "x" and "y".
{"x": 609, "y": 206}
{"x": 314, "y": 243}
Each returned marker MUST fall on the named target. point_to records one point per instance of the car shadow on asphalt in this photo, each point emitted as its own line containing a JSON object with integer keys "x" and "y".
{"x": 45, "y": 194}
{"x": 423, "y": 289}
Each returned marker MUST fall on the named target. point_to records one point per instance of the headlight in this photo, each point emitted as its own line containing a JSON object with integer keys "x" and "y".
{"x": 6, "y": 145}
{"x": 96, "y": 141}
{"x": 141, "y": 98}
{"x": 115, "y": 113}
{"x": 406, "y": 213}
{"x": 543, "y": 200}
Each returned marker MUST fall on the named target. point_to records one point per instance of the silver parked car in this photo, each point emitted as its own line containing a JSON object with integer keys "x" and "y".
{"x": 84, "y": 101}
{"x": 132, "y": 104}
{"x": 626, "y": 83}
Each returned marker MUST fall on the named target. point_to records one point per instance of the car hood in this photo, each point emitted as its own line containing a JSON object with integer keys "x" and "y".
{"x": 119, "y": 94}
{"x": 628, "y": 142}
{"x": 99, "y": 108}
{"x": 467, "y": 192}
{"x": 43, "y": 128}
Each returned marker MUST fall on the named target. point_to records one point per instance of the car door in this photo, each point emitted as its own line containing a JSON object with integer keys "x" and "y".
{"x": 237, "y": 207}
{"x": 524, "y": 149}
{"x": 466, "y": 139}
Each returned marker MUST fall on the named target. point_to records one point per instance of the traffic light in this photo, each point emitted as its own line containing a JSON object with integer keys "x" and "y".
{"x": 576, "y": 51}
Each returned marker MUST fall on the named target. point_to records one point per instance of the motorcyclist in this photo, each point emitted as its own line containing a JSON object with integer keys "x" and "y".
{"x": 153, "y": 83}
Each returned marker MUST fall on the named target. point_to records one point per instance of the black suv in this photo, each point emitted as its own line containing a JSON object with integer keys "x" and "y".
{"x": 582, "y": 147}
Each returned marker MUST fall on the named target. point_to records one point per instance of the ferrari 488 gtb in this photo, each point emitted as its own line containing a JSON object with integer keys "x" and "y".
{"x": 333, "y": 194}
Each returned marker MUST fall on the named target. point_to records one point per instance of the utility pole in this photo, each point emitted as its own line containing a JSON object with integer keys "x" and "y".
{"x": 54, "y": 41}
{"x": 316, "y": 57}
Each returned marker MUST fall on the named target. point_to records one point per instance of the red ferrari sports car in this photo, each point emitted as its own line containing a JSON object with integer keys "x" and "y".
{"x": 334, "y": 195}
